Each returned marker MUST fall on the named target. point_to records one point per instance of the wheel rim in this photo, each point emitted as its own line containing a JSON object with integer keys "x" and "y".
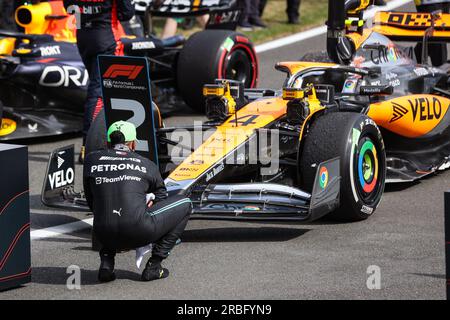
{"x": 239, "y": 67}
{"x": 367, "y": 167}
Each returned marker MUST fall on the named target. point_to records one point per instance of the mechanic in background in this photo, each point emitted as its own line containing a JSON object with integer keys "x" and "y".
{"x": 250, "y": 17}
{"x": 7, "y": 11}
{"x": 171, "y": 25}
{"x": 292, "y": 10}
{"x": 129, "y": 200}
{"x": 100, "y": 33}
{"x": 436, "y": 51}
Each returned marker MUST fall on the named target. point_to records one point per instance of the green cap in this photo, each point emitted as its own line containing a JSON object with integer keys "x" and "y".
{"x": 127, "y": 128}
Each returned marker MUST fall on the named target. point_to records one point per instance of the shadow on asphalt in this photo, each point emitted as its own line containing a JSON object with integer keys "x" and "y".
{"x": 36, "y": 202}
{"x": 83, "y": 248}
{"x": 36, "y": 156}
{"x": 46, "y": 220}
{"x": 13, "y": 289}
{"x": 266, "y": 234}
{"x": 235, "y": 234}
{"x": 430, "y": 275}
{"x": 401, "y": 186}
{"x": 59, "y": 276}
{"x": 68, "y": 240}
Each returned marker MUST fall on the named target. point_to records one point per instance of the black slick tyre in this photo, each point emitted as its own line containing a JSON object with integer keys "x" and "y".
{"x": 357, "y": 141}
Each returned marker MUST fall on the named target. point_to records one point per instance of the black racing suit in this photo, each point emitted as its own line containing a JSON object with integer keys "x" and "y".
{"x": 7, "y": 21}
{"x": 116, "y": 183}
{"x": 293, "y": 10}
{"x": 100, "y": 33}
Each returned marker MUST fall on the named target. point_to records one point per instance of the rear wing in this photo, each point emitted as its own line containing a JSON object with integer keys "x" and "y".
{"x": 223, "y": 14}
{"x": 412, "y": 26}
{"x": 183, "y": 8}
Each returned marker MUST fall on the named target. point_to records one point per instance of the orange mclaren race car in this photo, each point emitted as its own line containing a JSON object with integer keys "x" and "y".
{"x": 326, "y": 142}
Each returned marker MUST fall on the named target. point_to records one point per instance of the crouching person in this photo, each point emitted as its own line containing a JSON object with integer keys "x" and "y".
{"x": 117, "y": 184}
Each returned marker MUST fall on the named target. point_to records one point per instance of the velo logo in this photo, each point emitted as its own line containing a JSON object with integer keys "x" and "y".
{"x": 122, "y": 70}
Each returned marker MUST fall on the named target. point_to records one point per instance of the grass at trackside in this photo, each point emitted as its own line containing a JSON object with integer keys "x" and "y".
{"x": 312, "y": 13}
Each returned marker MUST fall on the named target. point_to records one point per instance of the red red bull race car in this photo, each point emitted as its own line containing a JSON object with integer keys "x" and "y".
{"x": 43, "y": 81}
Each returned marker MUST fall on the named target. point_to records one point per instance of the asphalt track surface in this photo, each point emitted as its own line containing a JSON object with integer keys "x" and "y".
{"x": 240, "y": 260}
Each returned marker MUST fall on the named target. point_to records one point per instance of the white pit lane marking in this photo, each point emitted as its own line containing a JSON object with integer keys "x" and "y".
{"x": 61, "y": 229}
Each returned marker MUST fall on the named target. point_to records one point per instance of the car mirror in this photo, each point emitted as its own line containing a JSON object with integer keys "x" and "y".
{"x": 376, "y": 90}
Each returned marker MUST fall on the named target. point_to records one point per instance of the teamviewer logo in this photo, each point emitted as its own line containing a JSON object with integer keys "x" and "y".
{"x": 121, "y": 70}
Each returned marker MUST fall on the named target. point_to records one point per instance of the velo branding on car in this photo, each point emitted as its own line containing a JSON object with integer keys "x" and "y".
{"x": 60, "y": 172}
{"x": 398, "y": 111}
{"x": 411, "y": 116}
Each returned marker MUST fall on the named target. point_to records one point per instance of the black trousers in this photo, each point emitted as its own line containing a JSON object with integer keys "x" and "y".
{"x": 250, "y": 10}
{"x": 436, "y": 51}
{"x": 92, "y": 43}
{"x": 293, "y": 10}
{"x": 163, "y": 224}
{"x": 7, "y": 21}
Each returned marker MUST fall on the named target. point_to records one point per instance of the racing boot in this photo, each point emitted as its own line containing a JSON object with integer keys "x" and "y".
{"x": 245, "y": 26}
{"x": 256, "y": 22}
{"x": 153, "y": 270}
{"x": 106, "y": 272}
